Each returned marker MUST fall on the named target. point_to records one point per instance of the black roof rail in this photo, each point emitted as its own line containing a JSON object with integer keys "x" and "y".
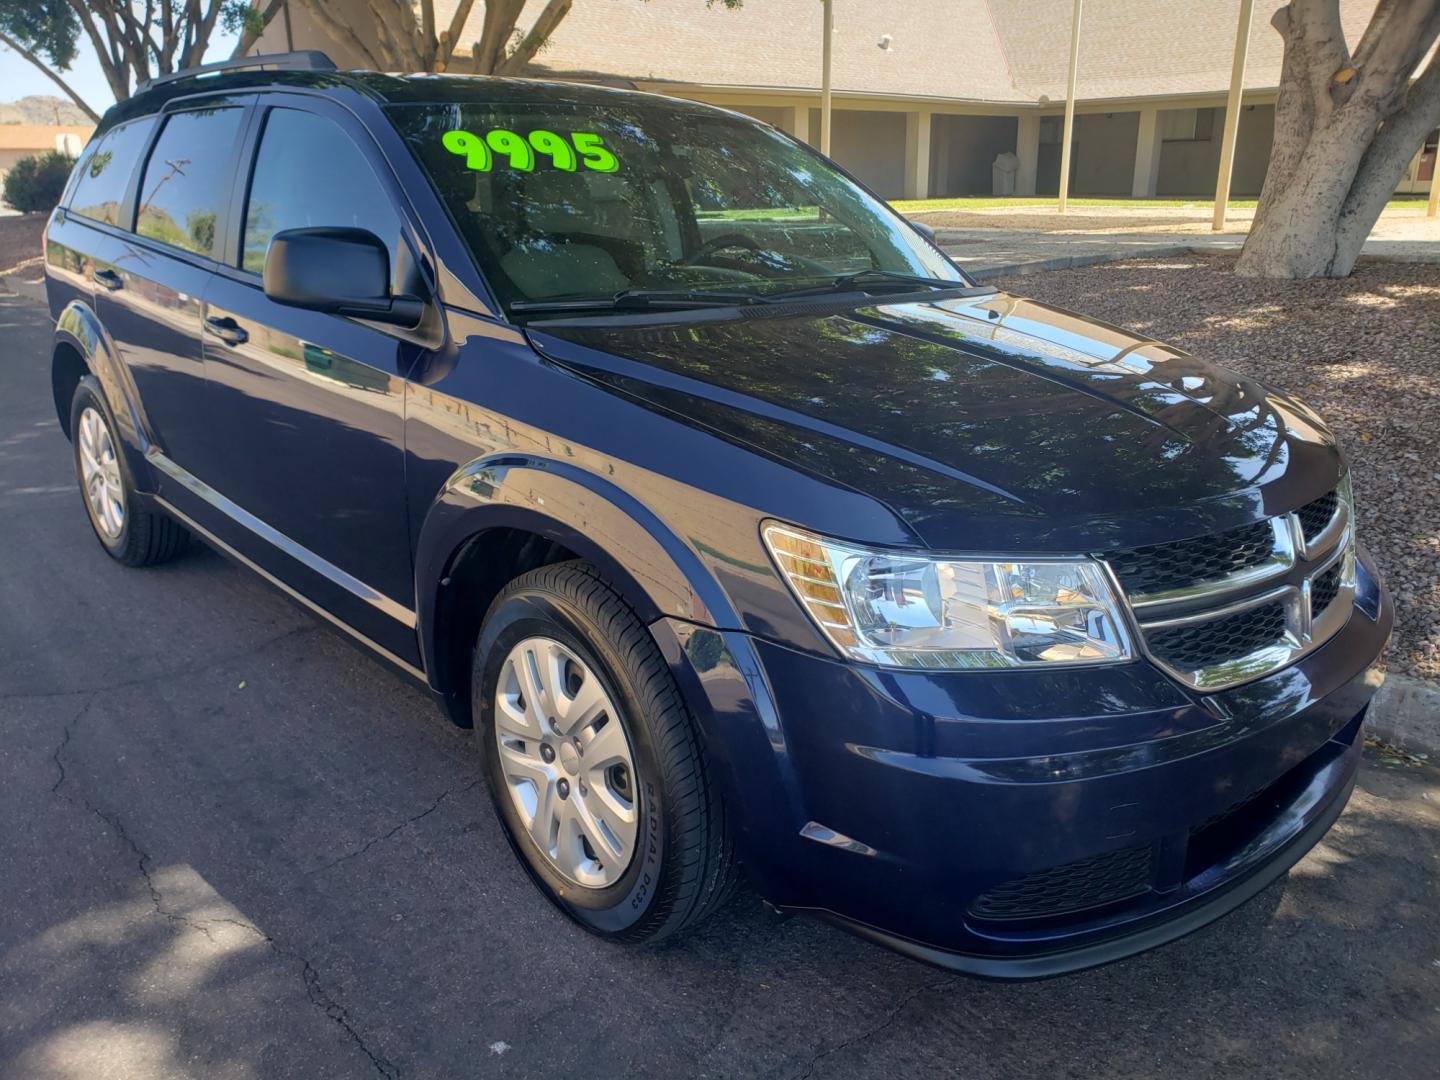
{"x": 308, "y": 60}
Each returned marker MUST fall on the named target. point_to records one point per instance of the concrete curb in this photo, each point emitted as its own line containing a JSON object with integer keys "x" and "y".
{"x": 29, "y": 290}
{"x": 1071, "y": 262}
{"x": 1406, "y": 713}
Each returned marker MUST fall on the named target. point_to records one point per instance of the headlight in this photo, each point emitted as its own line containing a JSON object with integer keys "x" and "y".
{"x": 910, "y": 610}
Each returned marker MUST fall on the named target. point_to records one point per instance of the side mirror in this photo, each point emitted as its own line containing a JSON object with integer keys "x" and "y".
{"x": 340, "y": 271}
{"x": 927, "y": 231}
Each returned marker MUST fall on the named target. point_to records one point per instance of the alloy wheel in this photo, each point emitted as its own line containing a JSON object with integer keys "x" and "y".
{"x": 100, "y": 474}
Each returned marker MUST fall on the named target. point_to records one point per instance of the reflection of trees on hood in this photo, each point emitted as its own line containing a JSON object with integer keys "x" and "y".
{"x": 1019, "y": 419}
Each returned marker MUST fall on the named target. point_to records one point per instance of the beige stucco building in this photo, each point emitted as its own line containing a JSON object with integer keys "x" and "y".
{"x": 26, "y": 140}
{"x": 927, "y": 93}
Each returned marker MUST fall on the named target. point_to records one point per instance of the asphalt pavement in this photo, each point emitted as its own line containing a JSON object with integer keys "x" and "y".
{"x": 235, "y": 846}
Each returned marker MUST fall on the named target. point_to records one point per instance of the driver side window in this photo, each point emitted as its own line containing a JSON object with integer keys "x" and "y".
{"x": 309, "y": 173}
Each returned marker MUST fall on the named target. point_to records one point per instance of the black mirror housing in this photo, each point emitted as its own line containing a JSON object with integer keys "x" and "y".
{"x": 927, "y": 231}
{"x": 341, "y": 271}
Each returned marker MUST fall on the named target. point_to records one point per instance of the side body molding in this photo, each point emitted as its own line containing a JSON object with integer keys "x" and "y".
{"x": 657, "y": 572}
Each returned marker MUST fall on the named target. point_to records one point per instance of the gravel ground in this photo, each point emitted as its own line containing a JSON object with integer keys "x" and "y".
{"x": 20, "y": 244}
{"x": 1364, "y": 351}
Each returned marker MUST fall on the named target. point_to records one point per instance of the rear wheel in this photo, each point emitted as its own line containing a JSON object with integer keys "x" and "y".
{"x": 594, "y": 765}
{"x": 130, "y": 531}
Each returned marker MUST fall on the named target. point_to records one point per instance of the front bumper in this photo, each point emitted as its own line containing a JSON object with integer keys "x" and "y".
{"x": 902, "y": 804}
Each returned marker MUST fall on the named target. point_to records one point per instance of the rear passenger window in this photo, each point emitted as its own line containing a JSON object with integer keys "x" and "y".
{"x": 308, "y": 173}
{"x": 105, "y": 171}
{"x": 187, "y": 180}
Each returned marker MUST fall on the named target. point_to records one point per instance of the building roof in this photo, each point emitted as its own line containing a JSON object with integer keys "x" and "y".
{"x": 1146, "y": 48}
{"x": 1013, "y": 51}
{"x": 38, "y": 137}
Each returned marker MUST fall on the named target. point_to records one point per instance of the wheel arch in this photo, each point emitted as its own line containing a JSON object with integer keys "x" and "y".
{"x": 82, "y": 347}
{"x": 499, "y": 517}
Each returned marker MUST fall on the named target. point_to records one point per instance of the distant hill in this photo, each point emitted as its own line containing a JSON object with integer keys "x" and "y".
{"x": 42, "y": 109}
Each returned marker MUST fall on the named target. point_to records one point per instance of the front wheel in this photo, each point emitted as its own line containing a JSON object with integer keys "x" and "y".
{"x": 593, "y": 762}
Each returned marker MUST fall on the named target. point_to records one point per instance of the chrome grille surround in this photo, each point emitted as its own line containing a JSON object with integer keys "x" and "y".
{"x": 1286, "y": 578}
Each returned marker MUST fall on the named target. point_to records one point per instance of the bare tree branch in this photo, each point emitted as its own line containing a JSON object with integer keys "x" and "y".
{"x": 499, "y": 24}
{"x": 52, "y": 73}
{"x": 116, "y": 74}
{"x": 203, "y": 29}
{"x": 255, "y": 27}
{"x": 545, "y": 24}
{"x": 427, "y": 33}
{"x": 457, "y": 27}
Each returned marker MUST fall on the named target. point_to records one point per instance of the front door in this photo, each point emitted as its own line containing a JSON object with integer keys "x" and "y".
{"x": 308, "y": 408}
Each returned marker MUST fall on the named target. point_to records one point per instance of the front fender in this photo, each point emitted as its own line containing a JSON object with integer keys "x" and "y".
{"x": 656, "y": 571}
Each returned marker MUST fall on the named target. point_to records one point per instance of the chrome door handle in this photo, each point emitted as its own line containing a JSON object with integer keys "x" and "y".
{"x": 227, "y": 330}
{"x": 109, "y": 279}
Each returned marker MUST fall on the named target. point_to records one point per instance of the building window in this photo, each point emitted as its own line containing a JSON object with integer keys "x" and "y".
{"x": 1187, "y": 125}
{"x": 1426, "y": 168}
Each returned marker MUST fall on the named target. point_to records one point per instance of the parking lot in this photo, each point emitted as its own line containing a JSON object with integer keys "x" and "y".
{"x": 236, "y": 846}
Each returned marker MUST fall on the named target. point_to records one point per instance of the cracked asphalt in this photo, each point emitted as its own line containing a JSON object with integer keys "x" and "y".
{"x": 235, "y": 846}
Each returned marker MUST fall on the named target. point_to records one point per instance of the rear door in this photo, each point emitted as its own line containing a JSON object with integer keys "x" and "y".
{"x": 150, "y": 277}
{"x": 306, "y": 409}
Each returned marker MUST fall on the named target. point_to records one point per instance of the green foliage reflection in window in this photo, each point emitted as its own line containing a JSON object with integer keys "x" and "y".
{"x": 520, "y": 151}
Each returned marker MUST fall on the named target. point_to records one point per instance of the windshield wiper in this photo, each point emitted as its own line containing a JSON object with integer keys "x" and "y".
{"x": 627, "y": 299}
{"x": 861, "y": 278}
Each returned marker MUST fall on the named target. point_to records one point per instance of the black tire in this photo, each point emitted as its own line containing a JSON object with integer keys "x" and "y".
{"x": 147, "y": 536}
{"x": 685, "y": 867}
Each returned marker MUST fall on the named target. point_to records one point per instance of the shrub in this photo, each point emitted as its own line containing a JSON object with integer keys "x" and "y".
{"x": 36, "y": 183}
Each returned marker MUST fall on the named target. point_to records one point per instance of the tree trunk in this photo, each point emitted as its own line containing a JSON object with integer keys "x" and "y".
{"x": 1345, "y": 128}
{"x": 545, "y": 23}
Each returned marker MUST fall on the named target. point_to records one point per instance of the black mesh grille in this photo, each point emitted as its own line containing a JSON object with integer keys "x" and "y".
{"x": 1324, "y": 589}
{"x": 1160, "y": 567}
{"x": 1316, "y": 515}
{"x": 1075, "y": 886}
{"x": 1199, "y": 645}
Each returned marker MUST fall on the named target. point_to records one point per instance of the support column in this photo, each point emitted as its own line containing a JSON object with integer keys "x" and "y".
{"x": 1147, "y": 155}
{"x": 1068, "y": 130}
{"x": 827, "y": 29}
{"x": 1232, "y": 116}
{"x": 797, "y": 122}
{"x": 1027, "y": 149}
{"x": 917, "y": 155}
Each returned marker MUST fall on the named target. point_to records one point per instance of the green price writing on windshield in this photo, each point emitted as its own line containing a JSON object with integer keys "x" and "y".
{"x": 580, "y": 148}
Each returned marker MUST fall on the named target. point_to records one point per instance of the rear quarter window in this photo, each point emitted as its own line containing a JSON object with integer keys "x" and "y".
{"x": 103, "y": 175}
{"x": 187, "y": 180}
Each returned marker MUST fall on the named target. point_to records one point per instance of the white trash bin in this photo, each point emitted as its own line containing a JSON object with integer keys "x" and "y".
{"x": 1002, "y": 174}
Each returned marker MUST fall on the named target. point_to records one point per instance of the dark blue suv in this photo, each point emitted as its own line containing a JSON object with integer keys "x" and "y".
{"x": 746, "y": 530}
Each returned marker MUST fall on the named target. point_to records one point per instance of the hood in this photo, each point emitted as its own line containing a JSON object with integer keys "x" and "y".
{"x": 984, "y": 422}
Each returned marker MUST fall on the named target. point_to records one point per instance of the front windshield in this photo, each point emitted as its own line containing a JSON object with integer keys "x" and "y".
{"x": 560, "y": 202}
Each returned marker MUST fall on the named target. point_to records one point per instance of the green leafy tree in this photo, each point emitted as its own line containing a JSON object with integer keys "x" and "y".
{"x": 36, "y": 183}
{"x": 134, "y": 40}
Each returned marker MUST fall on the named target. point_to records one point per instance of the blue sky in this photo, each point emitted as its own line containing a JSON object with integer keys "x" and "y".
{"x": 19, "y": 77}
